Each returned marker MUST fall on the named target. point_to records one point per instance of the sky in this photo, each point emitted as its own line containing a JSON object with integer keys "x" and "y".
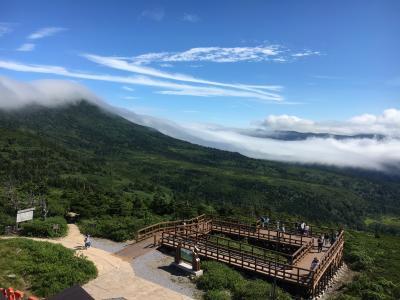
{"x": 311, "y": 66}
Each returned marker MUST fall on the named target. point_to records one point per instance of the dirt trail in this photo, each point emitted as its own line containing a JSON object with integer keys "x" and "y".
{"x": 116, "y": 278}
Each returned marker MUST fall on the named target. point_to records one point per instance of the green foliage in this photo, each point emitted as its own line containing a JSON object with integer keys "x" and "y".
{"x": 45, "y": 228}
{"x": 217, "y": 295}
{"x": 42, "y": 268}
{"x": 222, "y": 282}
{"x": 114, "y": 228}
{"x": 378, "y": 260}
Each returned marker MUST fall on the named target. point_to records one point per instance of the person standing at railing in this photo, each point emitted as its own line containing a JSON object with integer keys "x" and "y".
{"x": 320, "y": 243}
{"x": 326, "y": 239}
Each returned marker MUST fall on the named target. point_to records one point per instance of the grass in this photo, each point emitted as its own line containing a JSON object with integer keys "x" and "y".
{"x": 246, "y": 247}
{"x": 41, "y": 268}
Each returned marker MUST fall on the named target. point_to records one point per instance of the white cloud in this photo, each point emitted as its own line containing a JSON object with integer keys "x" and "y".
{"x": 276, "y": 53}
{"x": 45, "y": 32}
{"x": 153, "y": 14}
{"x": 285, "y": 122}
{"x": 15, "y": 94}
{"x": 306, "y": 53}
{"x": 26, "y": 47}
{"x": 201, "y": 91}
{"x": 121, "y": 64}
{"x": 190, "y": 18}
{"x": 388, "y": 123}
{"x": 366, "y": 153}
{"x": 213, "y": 54}
{"x": 127, "y": 88}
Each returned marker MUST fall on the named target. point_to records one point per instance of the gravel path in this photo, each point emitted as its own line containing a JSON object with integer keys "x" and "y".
{"x": 155, "y": 267}
{"x": 107, "y": 245}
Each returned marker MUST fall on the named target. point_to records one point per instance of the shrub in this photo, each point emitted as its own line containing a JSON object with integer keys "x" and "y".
{"x": 217, "y": 295}
{"x": 115, "y": 228}
{"x": 44, "y": 228}
{"x": 218, "y": 276}
{"x": 45, "y": 267}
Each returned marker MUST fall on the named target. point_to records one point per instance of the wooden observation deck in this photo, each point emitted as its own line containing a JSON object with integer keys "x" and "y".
{"x": 284, "y": 256}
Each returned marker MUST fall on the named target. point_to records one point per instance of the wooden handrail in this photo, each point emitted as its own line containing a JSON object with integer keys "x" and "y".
{"x": 240, "y": 258}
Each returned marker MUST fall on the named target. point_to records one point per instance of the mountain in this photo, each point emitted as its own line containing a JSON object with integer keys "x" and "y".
{"x": 82, "y": 158}
{"x": 300, "y": 136}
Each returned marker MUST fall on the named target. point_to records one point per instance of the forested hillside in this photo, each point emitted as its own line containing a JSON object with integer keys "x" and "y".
{"x": 120, "y": 175}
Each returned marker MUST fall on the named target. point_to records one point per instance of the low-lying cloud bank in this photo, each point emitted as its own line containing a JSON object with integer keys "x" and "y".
{"x": 381, "y": 154}
{"x": 15, "y": 94}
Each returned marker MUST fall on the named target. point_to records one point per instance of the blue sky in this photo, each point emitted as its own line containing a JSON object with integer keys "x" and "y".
{"x": 237, "y": 61}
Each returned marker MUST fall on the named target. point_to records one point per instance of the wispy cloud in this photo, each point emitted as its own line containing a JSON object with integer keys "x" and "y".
{"x": 306, "y": 53}
{"x": 275, "y": 53}
{"x": 172, "y": 87}
{"x": 127, "y": 88}
{"x": 122, "y": 64}
{"x": 26, "y": 47}
{"x": 45, "y": 32}
{"x": 192, "y": 18}
{"x": 156, "y": 14}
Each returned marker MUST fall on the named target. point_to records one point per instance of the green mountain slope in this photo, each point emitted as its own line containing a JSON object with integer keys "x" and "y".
{"x": 98, "y": 164}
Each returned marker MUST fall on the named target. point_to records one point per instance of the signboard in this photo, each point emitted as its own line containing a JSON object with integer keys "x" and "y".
{"x": 25, "y": 215}
{"x": 186, "y": 255}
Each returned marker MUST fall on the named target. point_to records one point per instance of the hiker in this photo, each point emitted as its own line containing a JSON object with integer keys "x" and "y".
{"x": 333, "y": 238}
{"x": 262, "y": 221}
{"x": 320, "y": 243}
{"x": 88, "y": 242}
{"x": 326, "y": 239}
{"x": 306, "y": 229}
{"x": 314, "y": 263}
{"x": 266, "y": 221}
{"x": 302, "y": 227}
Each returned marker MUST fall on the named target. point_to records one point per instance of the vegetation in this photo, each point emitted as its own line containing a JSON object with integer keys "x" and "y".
{"x": 377, "y": 258}
{"x": 222, "y": 282}
{"x": 119, "y": 176}
{"x": 111, "y": 171}
{"x": 41, "y": 268}
{"x": 51, "y": 227}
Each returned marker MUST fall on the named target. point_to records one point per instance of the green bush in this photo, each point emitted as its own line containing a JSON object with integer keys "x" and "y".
{"x": 217, "y": 295}
{"x": 44, "y": 267}
{"x": 218, "y": 276}
{"x": 115, "y": 228}
{"x": 44, "y": 228}
{"x": 222, "y": 282}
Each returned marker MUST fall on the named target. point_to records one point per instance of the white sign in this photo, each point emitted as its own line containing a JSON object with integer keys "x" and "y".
{"x": 25, "y": 215}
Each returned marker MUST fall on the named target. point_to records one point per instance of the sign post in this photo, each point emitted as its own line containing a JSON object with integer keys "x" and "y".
{"x": 25, "y": 215}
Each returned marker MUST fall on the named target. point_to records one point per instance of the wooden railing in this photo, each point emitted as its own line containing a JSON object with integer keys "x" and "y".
{"x": 240, "y": 258}
{"x": 151, "y": 230}
{"x": 326, "y": 260}
{"x": 259, "y": 233}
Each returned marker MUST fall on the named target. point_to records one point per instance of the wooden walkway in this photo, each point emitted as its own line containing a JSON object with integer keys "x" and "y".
{"x": 290, "y": 268}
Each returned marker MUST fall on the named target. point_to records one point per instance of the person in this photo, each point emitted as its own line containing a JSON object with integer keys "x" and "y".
{"x": 88, "y": 242}
{"x": 320, "y": 243}
{"x": 267, "y": 221}
{"x": 277, "y": 225}
{"x": 283, "y": 228}
{"x": 302, "y": 227}
{"x": 306, "y": 229}
{"x": 314, "y": 263}
{"x": 262, "y": 221}
{"x": 326, "y": 239}
{"x": 333, "y": 238}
